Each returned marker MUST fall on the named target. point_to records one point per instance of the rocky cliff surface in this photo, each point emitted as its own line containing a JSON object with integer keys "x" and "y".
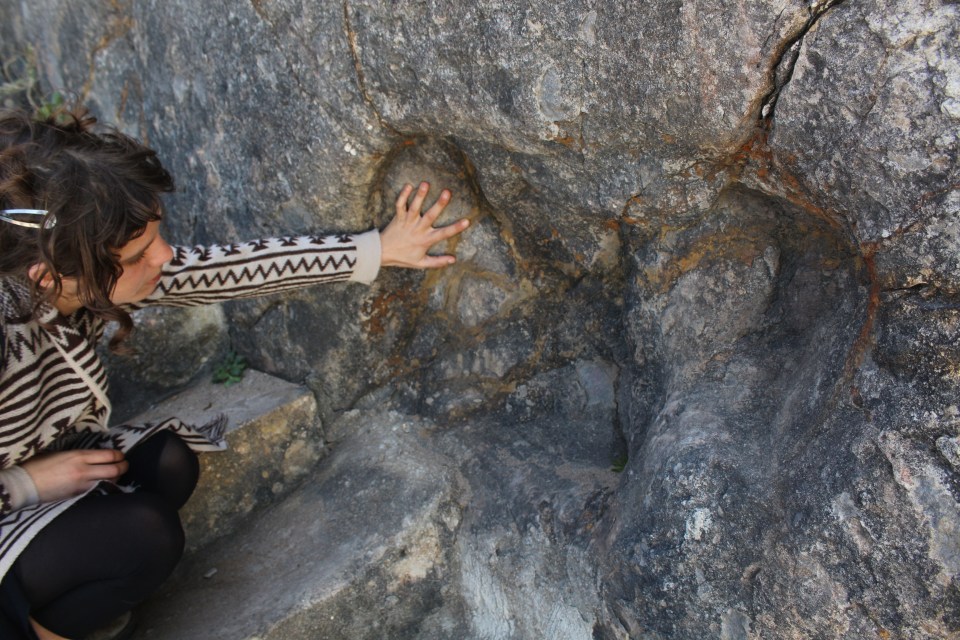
{"x": 718, "y": 239}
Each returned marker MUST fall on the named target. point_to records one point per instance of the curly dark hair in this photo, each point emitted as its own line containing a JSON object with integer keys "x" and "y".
{"x": 102, "y": 187}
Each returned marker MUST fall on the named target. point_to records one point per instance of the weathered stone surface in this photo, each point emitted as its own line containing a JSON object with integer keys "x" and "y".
{"x": 733, "y": 225}
{"x": 408, "y": 530}
{"x": 273, "y": 440}
{"x": 361, "y": 550}
{"x": 869, "y": 120}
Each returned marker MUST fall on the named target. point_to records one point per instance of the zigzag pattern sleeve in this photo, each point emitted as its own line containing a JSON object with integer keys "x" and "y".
{"x": 202, "y": 275}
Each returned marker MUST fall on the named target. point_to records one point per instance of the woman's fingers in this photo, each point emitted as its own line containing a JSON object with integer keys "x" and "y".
{"x": 436, "y": 262}
{"x": 405, "y": 241}
{"x": 68, "y": 473}
{"x": 103, "y": 464}
{"x": 444, "y": 233}
{"x": 418, "y": 198}
{"x": 410, "y": 209}
{"x": 438, "y": 235}
{"x": 98, "y": 456}
{"x": 110, "y": 471}
{"x": 434, "y": 212}
{"x": 402, "y": 201}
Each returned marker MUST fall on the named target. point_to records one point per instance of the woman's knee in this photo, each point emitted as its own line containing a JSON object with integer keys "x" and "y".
{"x": 180, "y": 469}
{"x": 153, "y": 534}
{"x": 164, "y": 464}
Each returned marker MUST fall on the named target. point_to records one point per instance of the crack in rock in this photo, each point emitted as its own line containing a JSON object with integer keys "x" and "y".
{"x": 786, "y": 60}
{"x": 358, "y": 66}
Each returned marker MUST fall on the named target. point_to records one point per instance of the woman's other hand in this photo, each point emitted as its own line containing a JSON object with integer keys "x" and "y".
{"x": 65, "y": 474}
{"x": 405, "y": 241}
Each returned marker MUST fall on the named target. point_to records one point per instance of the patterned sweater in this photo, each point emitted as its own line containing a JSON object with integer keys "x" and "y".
{"x": 53, "y": 387}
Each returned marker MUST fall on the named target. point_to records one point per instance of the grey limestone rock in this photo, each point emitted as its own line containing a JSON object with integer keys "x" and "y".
{"x": 719, "y": 237}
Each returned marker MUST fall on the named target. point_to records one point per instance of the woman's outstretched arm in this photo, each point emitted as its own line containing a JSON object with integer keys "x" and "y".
{"x": 201, "y": 275}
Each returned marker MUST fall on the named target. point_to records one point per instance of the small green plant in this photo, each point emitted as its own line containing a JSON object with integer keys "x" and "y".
{"x": 230, "y": 370}
{"x": 50, "y": 106}
{"x": 619, "y": 464}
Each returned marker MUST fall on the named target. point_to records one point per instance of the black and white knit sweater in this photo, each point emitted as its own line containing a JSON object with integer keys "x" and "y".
{"x": 53, "y": 385}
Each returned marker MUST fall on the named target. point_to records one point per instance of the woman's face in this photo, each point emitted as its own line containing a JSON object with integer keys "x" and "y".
{"x": 141, "y": 260}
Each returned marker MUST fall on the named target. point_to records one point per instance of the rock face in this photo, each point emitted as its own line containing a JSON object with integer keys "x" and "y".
{"x": 719, "y": 238}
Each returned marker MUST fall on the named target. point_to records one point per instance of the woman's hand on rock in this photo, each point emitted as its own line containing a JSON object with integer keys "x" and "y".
{"x": 65, "y": 474}
{"x": 407, "y": 238}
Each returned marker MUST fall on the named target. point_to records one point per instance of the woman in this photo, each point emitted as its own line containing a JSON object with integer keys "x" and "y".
{"x": 88, "y": 516}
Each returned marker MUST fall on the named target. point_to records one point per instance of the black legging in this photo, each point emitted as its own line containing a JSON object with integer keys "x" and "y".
{"x": 106, "y": 553}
